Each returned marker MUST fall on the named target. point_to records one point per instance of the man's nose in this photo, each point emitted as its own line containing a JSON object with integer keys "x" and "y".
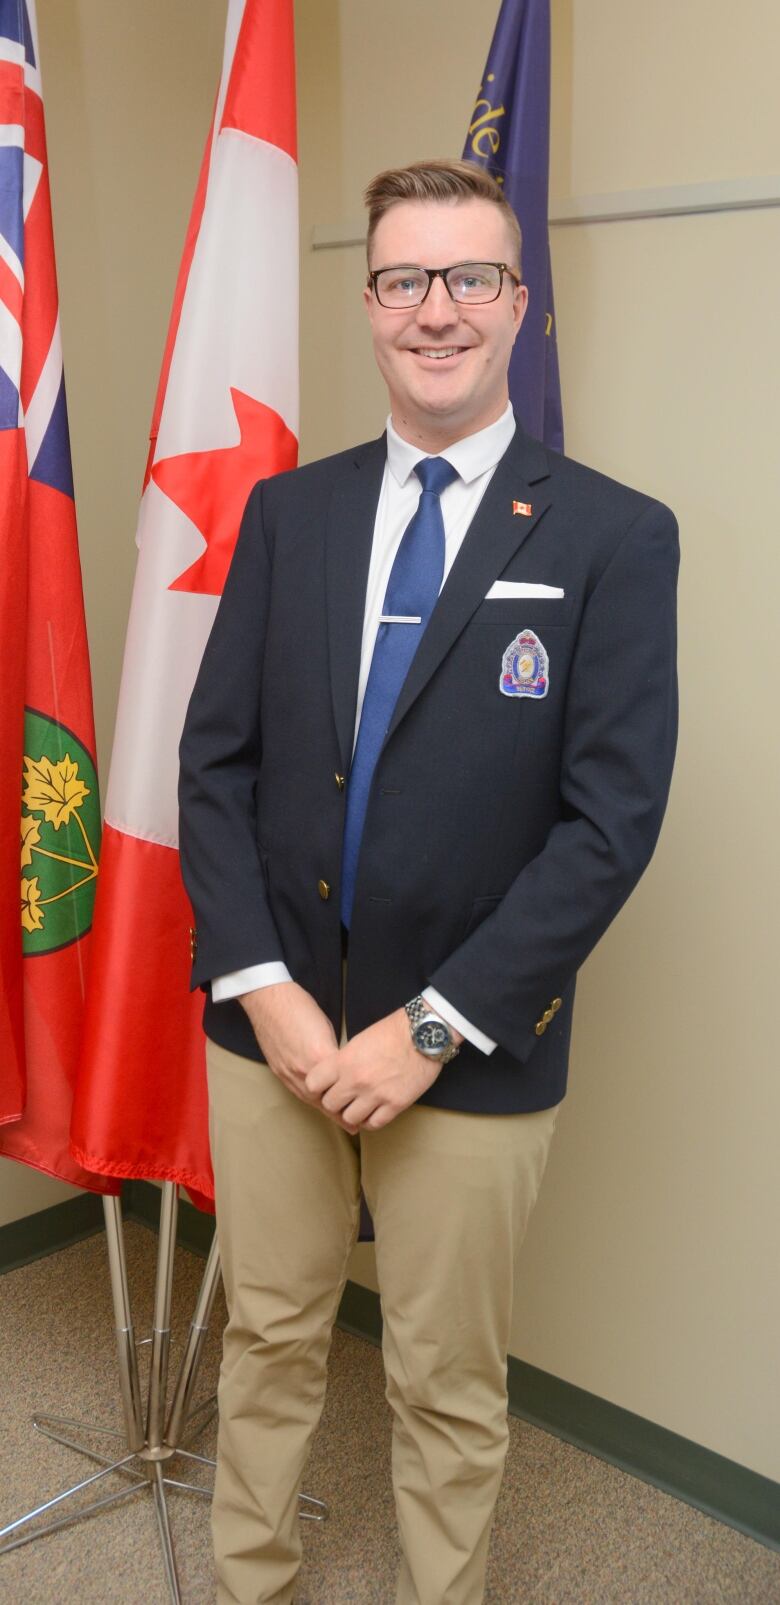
{"x": 438, "y": 310}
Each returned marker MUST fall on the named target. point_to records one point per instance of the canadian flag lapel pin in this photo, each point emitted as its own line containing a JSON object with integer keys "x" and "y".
{"x": 523, "y": 508}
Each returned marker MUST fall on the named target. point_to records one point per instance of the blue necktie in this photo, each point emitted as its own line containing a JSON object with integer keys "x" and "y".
{"x": 412, "y": 590}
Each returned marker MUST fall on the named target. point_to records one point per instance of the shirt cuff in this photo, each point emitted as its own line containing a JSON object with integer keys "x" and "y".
{"x": 249, "y": 980}
{"x": 451, "y": 1016}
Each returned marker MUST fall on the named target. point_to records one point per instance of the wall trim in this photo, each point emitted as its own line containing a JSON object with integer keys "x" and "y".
{"x": 719, "y": 1487}
{"x": 713, "y": 1484}
{"x": 668, "y": 200}
{"x": 616, "y": 206}
{"x": 47, "y": 1230}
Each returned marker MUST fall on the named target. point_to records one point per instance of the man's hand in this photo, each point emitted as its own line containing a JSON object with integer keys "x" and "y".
{"x": 292, "y": 1032}
{"x": 374, "y": 1077}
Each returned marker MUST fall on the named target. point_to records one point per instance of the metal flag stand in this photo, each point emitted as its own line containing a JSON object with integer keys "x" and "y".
{"x": 150, "y": 1447}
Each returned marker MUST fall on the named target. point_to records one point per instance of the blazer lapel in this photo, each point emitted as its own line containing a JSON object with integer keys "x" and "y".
{"x": 495, "y": 535}
{"x": 351, "y": 518}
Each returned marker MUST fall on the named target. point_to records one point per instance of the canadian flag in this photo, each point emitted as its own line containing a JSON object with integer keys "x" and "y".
{"x": 226, "y": 415}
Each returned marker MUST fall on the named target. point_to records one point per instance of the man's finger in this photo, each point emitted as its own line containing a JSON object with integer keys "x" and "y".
{"x": 294, "y": 1081}
{"x": 380, "y": 1117}
{"x": 322, "y": 1076}
{"x": 336, "y": 1097}
{"x": 358, "y": 1113}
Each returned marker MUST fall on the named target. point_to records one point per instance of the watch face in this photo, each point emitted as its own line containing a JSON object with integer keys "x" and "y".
{"x": 431, "y": 1036}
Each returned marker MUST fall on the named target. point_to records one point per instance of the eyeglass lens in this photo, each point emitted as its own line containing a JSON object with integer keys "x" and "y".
{"x": 469, "y": 282}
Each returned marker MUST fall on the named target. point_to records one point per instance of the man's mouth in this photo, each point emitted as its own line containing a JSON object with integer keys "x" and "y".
{"x": 438, "y": 353}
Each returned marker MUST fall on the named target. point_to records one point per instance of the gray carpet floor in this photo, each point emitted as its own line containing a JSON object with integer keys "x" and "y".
{"x": 570, "y": 1529}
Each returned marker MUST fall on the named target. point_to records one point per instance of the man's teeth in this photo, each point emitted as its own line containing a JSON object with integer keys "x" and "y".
{"x": 438, "y": 351}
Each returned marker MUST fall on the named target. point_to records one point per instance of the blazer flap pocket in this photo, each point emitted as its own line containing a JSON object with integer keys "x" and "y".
{"x": 480, "y": 909}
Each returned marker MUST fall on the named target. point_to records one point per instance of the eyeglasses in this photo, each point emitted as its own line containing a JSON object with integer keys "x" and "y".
{"x": 468, "y": 283}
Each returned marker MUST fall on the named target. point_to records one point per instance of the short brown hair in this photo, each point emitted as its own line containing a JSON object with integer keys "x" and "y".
{"x": 443, "y": 179}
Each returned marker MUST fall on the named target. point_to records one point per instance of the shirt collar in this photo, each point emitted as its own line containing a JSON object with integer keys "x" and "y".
{"x": 471, "y": 457}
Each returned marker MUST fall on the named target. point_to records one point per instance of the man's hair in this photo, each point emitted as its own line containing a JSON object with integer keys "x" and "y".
{"x": 444, "y": 180}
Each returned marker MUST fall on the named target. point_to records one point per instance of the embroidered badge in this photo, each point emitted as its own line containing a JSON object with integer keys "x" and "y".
{"x": 524, "y": 508}
{"x": 525, "y": 670}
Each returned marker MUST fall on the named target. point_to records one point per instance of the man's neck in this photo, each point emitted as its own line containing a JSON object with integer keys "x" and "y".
{"x": 431, "y": 439}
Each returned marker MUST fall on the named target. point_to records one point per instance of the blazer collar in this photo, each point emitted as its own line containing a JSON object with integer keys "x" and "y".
{"x": 495, "y": 535}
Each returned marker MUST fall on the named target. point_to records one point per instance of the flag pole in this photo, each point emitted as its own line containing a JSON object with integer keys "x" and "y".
{"x": 127, "y": 1354}
{"x": 161, "y": 1332}
{"x": 149, "y": 1449}
{"x": 182, "y": 1412}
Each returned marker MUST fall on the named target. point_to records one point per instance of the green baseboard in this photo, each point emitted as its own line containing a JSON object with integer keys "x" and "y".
{"x": 721, "y": 1488}
{"x": 729, "y": 1492}
{"x": 361, "y": 1313}
{"x": 34, "y": 1236}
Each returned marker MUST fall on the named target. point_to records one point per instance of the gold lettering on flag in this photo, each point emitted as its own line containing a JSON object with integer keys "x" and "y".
{"x": 481, "y": 127}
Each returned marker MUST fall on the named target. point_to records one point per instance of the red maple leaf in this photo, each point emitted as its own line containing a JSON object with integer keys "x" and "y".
{"x": 212, "y": 487}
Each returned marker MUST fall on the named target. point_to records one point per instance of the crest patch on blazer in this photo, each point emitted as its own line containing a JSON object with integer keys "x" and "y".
{"x": 525, "y": 670}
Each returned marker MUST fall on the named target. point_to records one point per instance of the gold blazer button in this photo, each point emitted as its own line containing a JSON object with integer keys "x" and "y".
{"x": 557, "y": 1003}
{"x": 340, "y": 781}
{"x": 540, "y": 1028}
{"x": 324, "y": 890}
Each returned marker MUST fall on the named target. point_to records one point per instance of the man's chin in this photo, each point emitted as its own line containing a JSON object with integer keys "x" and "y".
{"x": 437, "y": 399}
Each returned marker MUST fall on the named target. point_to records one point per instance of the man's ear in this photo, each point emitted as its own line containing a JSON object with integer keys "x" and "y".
{"x": 519, "y": 305}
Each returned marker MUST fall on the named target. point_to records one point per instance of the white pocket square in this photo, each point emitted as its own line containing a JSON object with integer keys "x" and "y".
{"x": 504, "y": 589}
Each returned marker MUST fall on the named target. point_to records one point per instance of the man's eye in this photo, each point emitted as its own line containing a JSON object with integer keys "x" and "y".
{"x": 471, "y": 281}
{"x": 403, "y": 286}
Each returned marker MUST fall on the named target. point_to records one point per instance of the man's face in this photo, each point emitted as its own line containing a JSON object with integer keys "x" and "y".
{"x": 445, "y": 365}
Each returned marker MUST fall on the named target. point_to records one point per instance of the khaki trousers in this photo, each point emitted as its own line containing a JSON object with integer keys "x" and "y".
{"x": 450, "y": 1195}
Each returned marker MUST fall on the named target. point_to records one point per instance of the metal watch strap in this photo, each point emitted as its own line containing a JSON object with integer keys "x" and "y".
{"x": 418, "y": 1010}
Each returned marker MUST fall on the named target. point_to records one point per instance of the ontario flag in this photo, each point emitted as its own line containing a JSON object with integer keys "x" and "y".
{"x": 509, "y": 134}
{"x": 49, "y": 806}
{"x": 225, "y": 416}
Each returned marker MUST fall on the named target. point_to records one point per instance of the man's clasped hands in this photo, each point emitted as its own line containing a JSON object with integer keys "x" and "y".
{"x": 364, "y": 1084}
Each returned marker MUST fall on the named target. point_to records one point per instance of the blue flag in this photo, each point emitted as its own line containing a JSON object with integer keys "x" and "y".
{"x": 509, "y": 135}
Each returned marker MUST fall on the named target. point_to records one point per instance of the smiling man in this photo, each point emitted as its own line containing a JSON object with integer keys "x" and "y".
{"x": 442, "y": 348}
{"x": 433, "y": 734}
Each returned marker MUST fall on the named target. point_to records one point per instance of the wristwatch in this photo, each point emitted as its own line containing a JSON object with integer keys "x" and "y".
{"x": 430, "y": 1035}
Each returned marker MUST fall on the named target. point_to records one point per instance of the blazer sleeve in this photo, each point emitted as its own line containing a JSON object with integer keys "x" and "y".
{"x": 220, "y": 755}
{"x": 619, "y": 741}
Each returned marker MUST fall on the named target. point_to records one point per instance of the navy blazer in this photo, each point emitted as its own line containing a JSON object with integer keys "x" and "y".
{"x": 503, "y": 832}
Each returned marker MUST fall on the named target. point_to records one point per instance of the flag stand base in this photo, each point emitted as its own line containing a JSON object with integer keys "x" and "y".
{"x": 150, "y": 1449}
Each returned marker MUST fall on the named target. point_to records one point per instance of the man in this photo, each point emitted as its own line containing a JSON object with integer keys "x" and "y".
{"x": 435, "y": 727}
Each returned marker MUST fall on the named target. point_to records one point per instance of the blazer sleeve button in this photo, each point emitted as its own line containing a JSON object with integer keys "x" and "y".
{"x": 324, "y": 890}
{"x": 548, "y": 1016}
{"x": 340, "y": 781}
{"x": 557, "y": 1003}
{"x": 540, "y": 1028}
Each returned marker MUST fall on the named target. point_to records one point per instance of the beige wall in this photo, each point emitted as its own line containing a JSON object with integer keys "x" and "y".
{"x": 649, "y": 1275}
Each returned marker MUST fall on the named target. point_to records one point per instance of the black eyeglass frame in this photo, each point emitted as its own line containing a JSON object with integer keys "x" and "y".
{"x": 441, "y": 273}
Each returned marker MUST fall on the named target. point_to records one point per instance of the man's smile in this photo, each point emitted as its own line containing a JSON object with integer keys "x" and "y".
{"x": 438, "y": 353}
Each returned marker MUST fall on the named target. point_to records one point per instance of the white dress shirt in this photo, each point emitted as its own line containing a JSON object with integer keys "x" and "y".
{"x": 475, "y": 459}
